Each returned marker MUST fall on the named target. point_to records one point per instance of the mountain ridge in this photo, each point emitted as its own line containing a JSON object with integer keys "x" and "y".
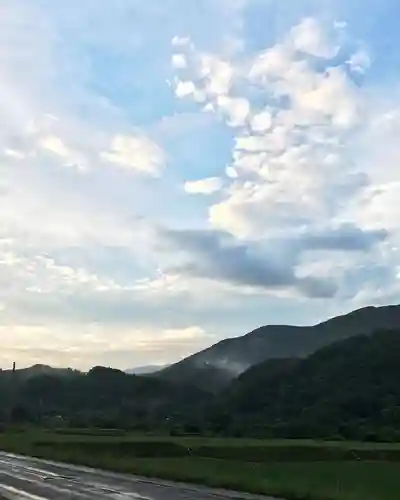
{"x": 216, "y": 366}
{"x": 145, "y": 369}
{"x": 347, "y": 389}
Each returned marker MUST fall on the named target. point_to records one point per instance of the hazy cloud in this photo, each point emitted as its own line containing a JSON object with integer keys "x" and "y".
{"x": 204, "y": 186}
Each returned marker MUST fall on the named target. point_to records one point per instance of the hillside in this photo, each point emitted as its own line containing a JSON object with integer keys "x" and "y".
{"x": 215, "y": 367}
{"x": 103, "y": 397}
{"x": 349, "y": 389}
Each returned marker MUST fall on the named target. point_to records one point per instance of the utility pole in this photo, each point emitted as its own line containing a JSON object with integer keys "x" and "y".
{"x": 12, "y": 390}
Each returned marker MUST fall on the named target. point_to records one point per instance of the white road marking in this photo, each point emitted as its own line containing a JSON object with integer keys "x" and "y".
{"x": 11, "y": 493}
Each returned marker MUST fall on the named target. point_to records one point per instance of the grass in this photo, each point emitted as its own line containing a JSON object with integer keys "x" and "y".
{"x": 294, "y": 470}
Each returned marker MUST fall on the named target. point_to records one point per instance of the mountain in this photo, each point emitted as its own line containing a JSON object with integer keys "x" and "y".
{"x": 35, "y": 370}
{"x": 144, "y": 370}
{"x": 348, "y": 389}
{"x": 215, "y": 367}
{"x": 102, "y": 397}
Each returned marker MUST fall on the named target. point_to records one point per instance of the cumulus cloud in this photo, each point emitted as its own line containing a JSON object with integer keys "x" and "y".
{"x": 294, "y": 143}
{"x": 295, "y": 178}
{"x": 185, "y": 88}
{"x": 309, "y": 37}
{"x": 204, "y": 186}
{"x": 136, "y": 153}
{"x": 179, "y": 61}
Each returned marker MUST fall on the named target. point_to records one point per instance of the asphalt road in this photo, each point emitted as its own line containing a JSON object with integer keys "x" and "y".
{"x": 33, "y": 479}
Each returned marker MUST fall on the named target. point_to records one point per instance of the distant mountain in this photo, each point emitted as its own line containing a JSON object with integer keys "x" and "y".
{"x": 348, "y": 389}
{"x": 35, "y": 370}
{"x": 215, "y": 367}
{"x": 145, "y": 370}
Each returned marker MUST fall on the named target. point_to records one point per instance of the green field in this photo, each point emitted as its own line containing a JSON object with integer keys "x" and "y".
{"x": 289, "y": 469}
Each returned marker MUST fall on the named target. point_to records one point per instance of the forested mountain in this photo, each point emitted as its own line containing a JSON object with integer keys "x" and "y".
{"x": 215, "y": 367}
{"x": 103, "y": 396}
{"x": 347, "y": 389}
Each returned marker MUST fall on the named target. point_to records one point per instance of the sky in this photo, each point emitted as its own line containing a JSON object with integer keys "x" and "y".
{"x": 176, "y": 172}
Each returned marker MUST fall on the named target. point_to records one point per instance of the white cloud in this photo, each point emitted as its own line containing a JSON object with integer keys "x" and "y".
{"x": 179, "y": 61}
{"x": 273, "y": 62}
{"x": 57, "y": 209}
{"x": 185, "y": 88}
{"x": 333, "y": 98}
{"x": 217, "y": 73}
{"x": 236, "y": 109}
{"x": 212, "y": 82}
{"x": 376, "y": 205}
{"x": 55, "y": 145}
{"x": 383, "y": 208}
{"x": 180, "y": 40}
{"x": 68, "y": 157}
{"x": 136, "y": 153}
{"x": 12, "y": 153}
{"x": 204, "y": 186}
{"x": 298, "y": 161}
{"x": 261, "y": 122}
{"x": 231, "y": 172}
{"x": 39, "y": 273}
{"x": 359, "y": 62}
{"x": 287, "y": 158}
{"x": 310, "y": 37}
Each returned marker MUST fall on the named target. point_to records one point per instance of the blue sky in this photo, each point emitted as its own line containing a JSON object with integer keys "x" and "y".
{"x": 178, "y": 172}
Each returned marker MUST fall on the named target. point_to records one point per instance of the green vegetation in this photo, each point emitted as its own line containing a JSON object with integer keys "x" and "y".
{"x": 215, "y": 367}
{"x": 104, "y": 397}
{"x": 347, "y": 390}
{"x": 336, "y": 411}
{"x": 290, "y": 469}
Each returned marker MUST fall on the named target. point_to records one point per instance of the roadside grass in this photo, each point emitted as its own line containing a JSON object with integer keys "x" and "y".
{"x": 290, "y": 469}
